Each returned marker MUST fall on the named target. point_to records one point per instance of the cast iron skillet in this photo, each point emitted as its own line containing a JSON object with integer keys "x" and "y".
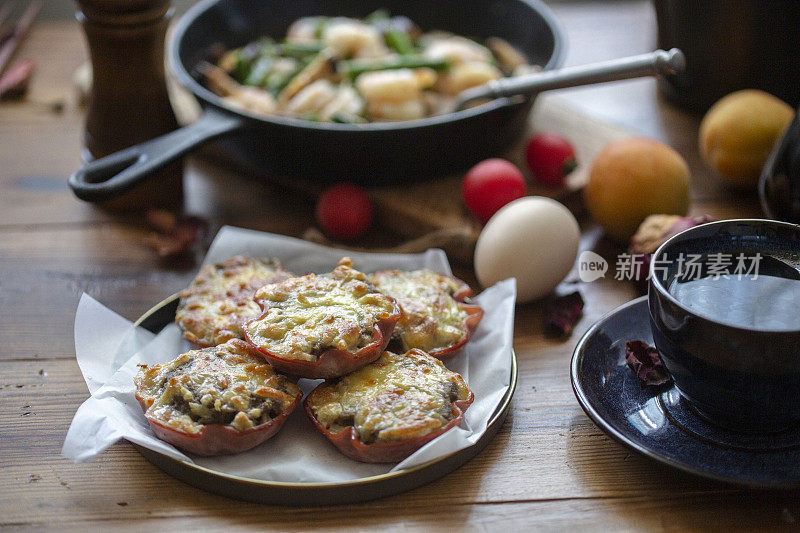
{"x": 365, "y": 153}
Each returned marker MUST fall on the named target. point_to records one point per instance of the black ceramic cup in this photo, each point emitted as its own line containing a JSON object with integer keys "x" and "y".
{"x": 742, "y": 378}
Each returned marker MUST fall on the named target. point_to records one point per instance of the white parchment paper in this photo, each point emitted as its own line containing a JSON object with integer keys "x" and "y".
{"x": 109, "y": 348}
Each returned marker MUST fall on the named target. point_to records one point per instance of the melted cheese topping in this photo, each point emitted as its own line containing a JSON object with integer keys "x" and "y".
{"x": 225, "y": 384}
{"x": 310, "y": 314}
{"x": 220, "y": 298}
{"x": 432, "y": 320}
{"x": 398, "y": 397}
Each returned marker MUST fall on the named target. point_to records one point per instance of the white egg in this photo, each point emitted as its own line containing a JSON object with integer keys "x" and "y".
{"x": 534, "y": 239}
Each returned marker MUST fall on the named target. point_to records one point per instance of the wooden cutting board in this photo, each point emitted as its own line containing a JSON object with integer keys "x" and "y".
{"x": 418, "y": 209}
{"x": 414, "y": 209}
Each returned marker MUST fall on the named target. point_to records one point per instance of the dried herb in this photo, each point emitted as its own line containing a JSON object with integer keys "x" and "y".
{"x": 646, "y": 362}
{"x": 562, "y": 313}
{"x": 174, "y": 236}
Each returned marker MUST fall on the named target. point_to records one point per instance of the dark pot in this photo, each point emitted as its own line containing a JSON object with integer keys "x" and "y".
{"x": 731, "y": 45}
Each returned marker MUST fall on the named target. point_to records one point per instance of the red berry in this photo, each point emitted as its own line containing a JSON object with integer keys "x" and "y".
{"x": 550, "y": 158}
{"x": 344, "y": 211}
{"x": 490, "y": 185}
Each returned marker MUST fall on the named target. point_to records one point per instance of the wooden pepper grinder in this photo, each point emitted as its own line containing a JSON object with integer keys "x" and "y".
{"x": 129, "y": 102}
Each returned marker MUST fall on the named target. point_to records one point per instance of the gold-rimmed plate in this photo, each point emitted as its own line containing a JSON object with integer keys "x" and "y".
{"x": 324, "y": 493}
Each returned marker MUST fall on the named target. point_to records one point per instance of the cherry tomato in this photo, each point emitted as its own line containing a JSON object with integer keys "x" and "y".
{"x": 490, "y": 185}
{"x": 550, "y": 158}
{"x": 344, "y": 211}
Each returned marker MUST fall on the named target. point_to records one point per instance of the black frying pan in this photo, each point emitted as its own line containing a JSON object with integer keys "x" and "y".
{"x": 372, "y": 153}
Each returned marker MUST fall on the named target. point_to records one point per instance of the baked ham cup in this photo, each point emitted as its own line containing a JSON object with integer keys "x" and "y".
{"x": 435, "y": 317}
{"x": 220, "y": 298}
{"x": 461, "y": 291}
{"x": 322, "y": 326}
{"x": 474, "y": 316}
{"x": 179, "y": 399}
{"x": 411, "y": 392}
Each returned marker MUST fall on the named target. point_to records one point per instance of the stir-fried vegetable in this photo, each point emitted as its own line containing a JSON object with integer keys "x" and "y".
{"x": 326, "y": 69}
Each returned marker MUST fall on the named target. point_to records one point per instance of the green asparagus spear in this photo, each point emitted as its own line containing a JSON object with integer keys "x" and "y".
{"x": 278, "y": 80}
{"x": 241, "y": 67}
{"x": 245, "y": 58}
{"x": 258, "y": 72}
{"x": 354, "y": 67}
{"x": 300, "y": 51}
{"x": 400, "y": 42}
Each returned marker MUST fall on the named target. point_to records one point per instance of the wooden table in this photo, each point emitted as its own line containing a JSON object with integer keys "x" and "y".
{"x": 549, "y": 467}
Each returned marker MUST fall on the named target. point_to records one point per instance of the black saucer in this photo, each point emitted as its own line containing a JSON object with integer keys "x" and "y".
{"x": 660, "y": 424}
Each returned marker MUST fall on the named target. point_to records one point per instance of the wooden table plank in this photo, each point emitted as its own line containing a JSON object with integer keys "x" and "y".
{"x": 579, "y": 478}
{"x": 39, "y": 148}
{"x": 674, "y": 513}
{"x": 574, "y": 461}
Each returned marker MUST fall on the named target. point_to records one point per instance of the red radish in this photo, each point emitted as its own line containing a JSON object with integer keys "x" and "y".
{"x": 550, "y": 157}
{"x": 344, "y": 211}
{"x": 490, "y": 185}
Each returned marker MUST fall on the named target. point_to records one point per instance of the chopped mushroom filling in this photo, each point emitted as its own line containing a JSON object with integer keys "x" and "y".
{"x": 396, "y": 398}
{"x": 225, "y": 384}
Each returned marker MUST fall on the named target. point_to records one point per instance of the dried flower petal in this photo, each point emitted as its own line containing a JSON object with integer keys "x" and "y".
{"x": 646, "y": 362}
{"x": 162, "y": 221}
{"x": 191, "y": 228}
{"x": 562, "y": 313}
{"x": 173, "y": 236}
{"x": 166, "y": 245}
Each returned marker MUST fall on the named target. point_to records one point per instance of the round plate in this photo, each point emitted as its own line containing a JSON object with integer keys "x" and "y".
{"x": 658, "y": 423}
{"x": 329, "y": 493}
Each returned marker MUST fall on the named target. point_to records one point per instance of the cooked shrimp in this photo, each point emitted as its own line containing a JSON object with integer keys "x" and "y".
{"x": 395, "y": 94}
{"x": 410, "y": 110}
{"x": 240, "y": 96}
{"x": 524, "y": 70}
{"x": 396, "y": 86}
{"x": 466, "y": 75}
{"x": 456, "y": 50}
{"x": 347, "y": 102}
{"x": 253, "y": 99}
{"x": 312, "y": 98}
{"x": 509, "y": 57}
{"x": 351, "y": 38}
{"x": 283, "y": 65}
{"x": 304, "y": 30}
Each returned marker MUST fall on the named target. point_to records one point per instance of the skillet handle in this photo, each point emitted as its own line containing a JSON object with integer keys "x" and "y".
{"x": 110, "y": 176}
{"x": 658, "y": 63}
